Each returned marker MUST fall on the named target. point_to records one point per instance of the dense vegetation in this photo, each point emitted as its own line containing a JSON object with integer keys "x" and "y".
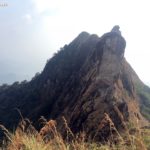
{"x": 144, "y": 94}
{"x": 26, "y": 137}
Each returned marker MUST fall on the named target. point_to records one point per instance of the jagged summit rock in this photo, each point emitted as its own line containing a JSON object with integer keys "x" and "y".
{"x": 116, "y": 29}
{"x": 115, "y": 42}
{"x": 83, "y": 82}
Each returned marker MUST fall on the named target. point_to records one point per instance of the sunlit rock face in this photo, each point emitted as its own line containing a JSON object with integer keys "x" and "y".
{"x": 84, "y": 82}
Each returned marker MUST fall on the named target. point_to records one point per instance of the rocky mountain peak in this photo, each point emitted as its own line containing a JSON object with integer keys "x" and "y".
{"x": 84, "y": 82}
{"x": 116, "y": 29}
{"x": 114, "y": 42}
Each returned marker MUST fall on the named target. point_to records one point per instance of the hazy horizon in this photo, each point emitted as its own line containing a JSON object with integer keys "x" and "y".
{"x": 33, "y": 30}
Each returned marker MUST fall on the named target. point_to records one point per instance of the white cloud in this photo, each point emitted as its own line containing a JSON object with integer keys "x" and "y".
{"x": 28, "y": 18}
{"x": 44, "y": 5}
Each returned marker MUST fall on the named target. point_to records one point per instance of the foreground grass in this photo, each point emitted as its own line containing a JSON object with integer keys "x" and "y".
{"x": 146, "y": 137}
{"x": 48, "y": 138}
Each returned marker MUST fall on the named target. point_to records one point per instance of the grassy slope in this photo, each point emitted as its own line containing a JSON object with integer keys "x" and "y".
{"x": 143, "y": 92}
{"x": 48, "y": 138}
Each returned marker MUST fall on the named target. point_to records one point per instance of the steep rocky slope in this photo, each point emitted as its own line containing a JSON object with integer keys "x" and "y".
{"x": 143, "y": 92}
{"x": 84, "y": 80}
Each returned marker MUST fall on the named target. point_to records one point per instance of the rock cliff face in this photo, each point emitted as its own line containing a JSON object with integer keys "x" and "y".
{"x": 83, "y": 81}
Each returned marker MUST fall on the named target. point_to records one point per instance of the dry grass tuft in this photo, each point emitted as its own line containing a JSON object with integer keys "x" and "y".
{"x": 26, "y": 137}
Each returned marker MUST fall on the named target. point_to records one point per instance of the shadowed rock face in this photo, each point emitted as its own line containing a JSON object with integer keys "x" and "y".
{"x": 82, "y": 82}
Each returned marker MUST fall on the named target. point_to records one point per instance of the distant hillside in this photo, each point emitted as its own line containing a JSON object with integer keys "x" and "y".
{"x": 83, "y": 81}
{"x": 143, "y": 92}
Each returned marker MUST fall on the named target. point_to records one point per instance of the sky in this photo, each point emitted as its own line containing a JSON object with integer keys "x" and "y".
{"x": 31, "y": 31}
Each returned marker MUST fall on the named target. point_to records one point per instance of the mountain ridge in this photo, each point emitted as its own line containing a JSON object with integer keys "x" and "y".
{"x": 83, "y": 81}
